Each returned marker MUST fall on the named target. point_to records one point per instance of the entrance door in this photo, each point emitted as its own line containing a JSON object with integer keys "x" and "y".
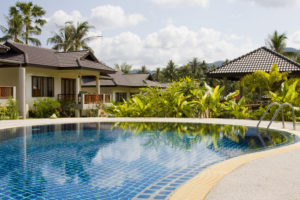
{"x": 68, "y": 89}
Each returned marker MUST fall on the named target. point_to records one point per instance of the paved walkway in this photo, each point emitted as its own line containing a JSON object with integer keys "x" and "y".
{"x": 275, "y": 177}
{"x": 273, "y": 174}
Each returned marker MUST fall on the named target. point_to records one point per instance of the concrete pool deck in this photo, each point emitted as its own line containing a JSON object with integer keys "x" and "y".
{"x": 270, "y": 174}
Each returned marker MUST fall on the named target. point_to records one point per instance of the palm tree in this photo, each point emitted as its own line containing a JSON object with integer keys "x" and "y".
{"x": 276, "y": 42}
{"x": 194, "y": 64}
{"x": 31, "y": 16}
{"x": 170, "y": 71}
{"x": 79, "y": 35}
{"x": 124, "y": 67}
{"x": 157, "y": 74}
{"x": 143, "y": 69}
{"x": 15, "y": 27}
{"x": 72, "y": 38}
{"x": 62, "y": 40}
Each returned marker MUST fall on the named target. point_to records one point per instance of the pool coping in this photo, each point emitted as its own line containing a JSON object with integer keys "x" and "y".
{"x": 205, "y": 180}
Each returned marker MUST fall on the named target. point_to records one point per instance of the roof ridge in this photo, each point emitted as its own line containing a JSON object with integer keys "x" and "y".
{"x": 31, "y": 46}
{"x": 72, "y": 51}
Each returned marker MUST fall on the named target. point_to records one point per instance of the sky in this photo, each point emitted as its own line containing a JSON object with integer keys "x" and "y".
{"x": 151, "y": 32}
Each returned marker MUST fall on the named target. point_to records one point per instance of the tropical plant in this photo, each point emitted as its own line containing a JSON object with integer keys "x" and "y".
{"x": 124, "y": 67}
{"x": 170, "y": 72}
{"x": 157, "y": 74}
{"x": 31, "y": 17}
{"x": 276, "y": 42}
{"x": 9, "y": 110}
{"x": 15, "y": 27}
{"x": 143, "y": 69}
{"x": 45, "y": 107}
{"x": 62, "y": 40}
{"x": 263, "y": 82}
{"x": 72, "y": 38}
{"x": 67, "y": 108}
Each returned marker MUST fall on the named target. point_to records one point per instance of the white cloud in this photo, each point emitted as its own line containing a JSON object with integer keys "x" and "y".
{"x": 271, "y": 3}
{"x": 173, "y": 3}
{"x": 102, "y": 17}
{"x": 172, "y": 42}
{"x": 294, "y": 40}
{"x": 107, "y": 17}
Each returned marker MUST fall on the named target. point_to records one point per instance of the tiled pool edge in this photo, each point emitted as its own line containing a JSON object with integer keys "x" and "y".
{"x": 209, "y": 177}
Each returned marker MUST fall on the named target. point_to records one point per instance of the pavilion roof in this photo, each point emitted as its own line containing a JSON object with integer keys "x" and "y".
{"x": 259, "y": 59}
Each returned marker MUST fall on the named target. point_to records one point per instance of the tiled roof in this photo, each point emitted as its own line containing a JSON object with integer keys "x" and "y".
{"x": 123, "y": 80}
{"x": 259, "y": 59}
{"x": 37, "y": 56}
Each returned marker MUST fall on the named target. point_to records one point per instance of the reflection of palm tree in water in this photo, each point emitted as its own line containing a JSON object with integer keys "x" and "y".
{"x": 184, "y": 136}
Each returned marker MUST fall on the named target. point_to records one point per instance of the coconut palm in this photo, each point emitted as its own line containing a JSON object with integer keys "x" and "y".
{"x": 31, "y": 16}
{"x": 276, "y": 42}
{"x": 62, "y": 40}
{"x": 170, "y": 71}
{"x": 72, "y": 38}
{"x": 157, "y": 74}
{"x": 79, "y": 35}
{"x": 124, "y": 67}
{"x": 15, "y": 27}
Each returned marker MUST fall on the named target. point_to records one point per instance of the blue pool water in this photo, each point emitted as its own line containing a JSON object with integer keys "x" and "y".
{"x": 118, "y": 161}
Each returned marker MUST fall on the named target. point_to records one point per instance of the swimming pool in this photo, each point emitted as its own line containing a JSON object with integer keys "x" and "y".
{"x": 118, "y": 161}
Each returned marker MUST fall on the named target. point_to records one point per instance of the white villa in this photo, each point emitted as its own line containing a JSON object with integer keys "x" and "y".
{"x": 28, "y": 73}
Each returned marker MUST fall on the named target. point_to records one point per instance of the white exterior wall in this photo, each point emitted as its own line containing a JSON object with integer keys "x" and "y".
{"x": 9, "y": 77}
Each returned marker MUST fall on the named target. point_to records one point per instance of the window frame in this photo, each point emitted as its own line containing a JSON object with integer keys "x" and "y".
{"x": 42, "y": 80}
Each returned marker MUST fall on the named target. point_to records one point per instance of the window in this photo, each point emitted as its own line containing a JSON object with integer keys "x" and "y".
{"x": 120, "y": 96}
{"x": 42, "y": 86}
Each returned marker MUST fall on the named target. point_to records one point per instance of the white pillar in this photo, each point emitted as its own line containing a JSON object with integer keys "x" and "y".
{"x": 78, "y": 88}
{"x": 21, "y": 92}
{"x": 98, "y": 84}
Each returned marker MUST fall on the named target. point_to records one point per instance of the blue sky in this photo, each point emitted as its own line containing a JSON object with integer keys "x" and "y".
{"x": 151, "y": 32}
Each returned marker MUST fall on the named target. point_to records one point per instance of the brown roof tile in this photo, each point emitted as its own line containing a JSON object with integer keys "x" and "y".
{"x": 37, "y": 56}
{"x": 123, "y": 80}
{"x": 259, "y": 59}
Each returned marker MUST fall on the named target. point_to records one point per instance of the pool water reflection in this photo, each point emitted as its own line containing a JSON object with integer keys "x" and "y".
{"x": 117, "y": 161}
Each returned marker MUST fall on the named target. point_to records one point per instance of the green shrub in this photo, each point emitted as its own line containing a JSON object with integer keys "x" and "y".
{"x": 44, "y": 108}
{"x": 12, "y": 109}
{"x": 9, "y": 110}
{"x": 67, "y": 109}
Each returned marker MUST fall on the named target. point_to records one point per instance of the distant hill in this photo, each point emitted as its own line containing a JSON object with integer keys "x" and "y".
{"x": 218, "y": 63}
{"x": 291, "y": 49}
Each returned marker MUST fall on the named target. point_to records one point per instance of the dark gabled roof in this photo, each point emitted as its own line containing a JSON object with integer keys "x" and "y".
{"x": 123, "y": 80}
{"x": 37, "y": 56}
{"x": 259, "y": 59}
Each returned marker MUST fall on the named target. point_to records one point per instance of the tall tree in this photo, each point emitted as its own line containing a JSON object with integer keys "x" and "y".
{"x": 170, "y": 71}
{"x": 72, "y": 38}
{"x": 157, "y": 74}
{"x": 32, "y": 18}
{"x": 276, "y": 42}
{"x": 194, "y": 64}
{"x": 124, "y": 67}
{"x": 63, "y": 39}
{"x": 143, "y": 69}
{"x": 79, "y": 35}
{"x": 15, "y": 27}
